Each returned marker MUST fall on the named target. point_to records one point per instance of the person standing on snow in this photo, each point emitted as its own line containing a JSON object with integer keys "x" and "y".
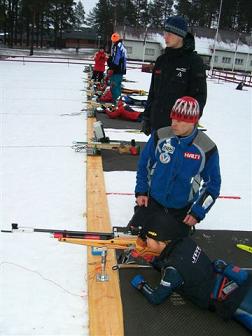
{"x": 117, "y": 65}
{"x": 100, "y": 59}
{"x": 178, "y": 72}
{"x": 178, "y": 177}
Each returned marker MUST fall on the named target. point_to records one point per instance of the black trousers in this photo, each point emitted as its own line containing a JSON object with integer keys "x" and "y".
{"x": 156, "y": 212}
{"x": 97, "y": 75}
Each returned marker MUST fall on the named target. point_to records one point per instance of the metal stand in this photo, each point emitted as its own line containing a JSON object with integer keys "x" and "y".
{"x": 102, "y": 277}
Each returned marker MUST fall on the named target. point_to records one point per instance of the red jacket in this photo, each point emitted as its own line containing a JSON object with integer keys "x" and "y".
{"x": 100, "y": 60}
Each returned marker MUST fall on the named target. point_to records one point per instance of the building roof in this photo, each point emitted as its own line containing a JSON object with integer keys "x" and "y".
{"x": 226, "y": 41}
{"x": 204, "y": 39}
{"x": 85, "y": 34}
{"x": 141, "y": 34}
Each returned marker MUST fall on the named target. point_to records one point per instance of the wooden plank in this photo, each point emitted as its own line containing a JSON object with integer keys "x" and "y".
{"x": 104, "y": 298}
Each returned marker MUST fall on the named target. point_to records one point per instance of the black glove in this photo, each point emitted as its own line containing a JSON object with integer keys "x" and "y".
{"x": 146, "y": 127}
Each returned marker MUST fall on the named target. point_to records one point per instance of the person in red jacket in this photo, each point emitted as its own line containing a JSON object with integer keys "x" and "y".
{"x": 100, "y": 59}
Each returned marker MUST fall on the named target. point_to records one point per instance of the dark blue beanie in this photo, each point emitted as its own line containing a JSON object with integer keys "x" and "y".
{"x": 176, "y": 25}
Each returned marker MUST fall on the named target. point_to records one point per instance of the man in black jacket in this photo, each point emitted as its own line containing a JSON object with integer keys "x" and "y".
{"x": 178, "y": 72}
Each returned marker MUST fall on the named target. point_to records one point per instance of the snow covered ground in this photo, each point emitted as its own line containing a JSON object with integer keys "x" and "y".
{"x": 43, "y": 288}
{"x": 43, "y": 282}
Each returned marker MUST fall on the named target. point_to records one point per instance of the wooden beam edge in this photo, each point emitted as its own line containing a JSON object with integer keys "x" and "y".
{"x": 104, "y": 298}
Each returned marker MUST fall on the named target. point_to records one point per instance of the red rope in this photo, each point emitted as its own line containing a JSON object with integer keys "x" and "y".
{"x": 130, "y": 194}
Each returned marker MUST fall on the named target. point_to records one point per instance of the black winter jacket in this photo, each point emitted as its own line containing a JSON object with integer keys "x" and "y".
{"x": 178, "y": 72}
{"x": 195, "y": 268}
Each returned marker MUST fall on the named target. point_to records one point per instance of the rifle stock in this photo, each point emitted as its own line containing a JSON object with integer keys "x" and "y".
{"x": 116, "y": 243}
{"x": 119, "y": 243}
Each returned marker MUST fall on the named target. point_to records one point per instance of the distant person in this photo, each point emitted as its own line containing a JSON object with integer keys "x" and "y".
{"x": 187, "y": 270}
{"x": 100, "y": 59}
{"x": 178, "y": 72}
{"x": 240, "y": 85}
{"x": 117, "y": 65}
{"x": 178, "y": 177}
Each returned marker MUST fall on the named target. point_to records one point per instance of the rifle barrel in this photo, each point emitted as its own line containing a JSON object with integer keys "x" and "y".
{"x": 63, "y": 233}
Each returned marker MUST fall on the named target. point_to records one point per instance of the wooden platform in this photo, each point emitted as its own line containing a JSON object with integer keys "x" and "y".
{"x": 104, "y": 298}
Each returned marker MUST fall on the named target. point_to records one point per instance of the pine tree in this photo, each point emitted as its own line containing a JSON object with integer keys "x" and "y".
{"x": 101, "y": 19}
{"x": 79, "y": 16}
{"x": 244, "y": 16}
{"x": 159, "y": 11}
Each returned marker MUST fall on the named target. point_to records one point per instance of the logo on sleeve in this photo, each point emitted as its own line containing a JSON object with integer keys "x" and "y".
{"x": 196, "y": 255}
{"x": 193, "y": 156}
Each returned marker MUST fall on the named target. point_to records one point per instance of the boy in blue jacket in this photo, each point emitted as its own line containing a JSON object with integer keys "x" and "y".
{"x": 117, "y": 65}
{"x": 178, "y": 177}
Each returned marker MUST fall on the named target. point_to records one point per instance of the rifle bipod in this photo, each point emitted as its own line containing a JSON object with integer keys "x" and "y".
{"x": 102, "y": 277}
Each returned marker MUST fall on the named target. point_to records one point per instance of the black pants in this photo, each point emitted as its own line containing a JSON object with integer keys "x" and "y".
{"x": 155, "y": 212}
{"x": 97, "y": 75}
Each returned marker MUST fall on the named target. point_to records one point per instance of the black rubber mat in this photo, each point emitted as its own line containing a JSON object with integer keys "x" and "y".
{"x": 113, "y": 161}
{"x": 222, "y": 243}
{"x": 117, "y": 123}
{"x": 177, "y": 317}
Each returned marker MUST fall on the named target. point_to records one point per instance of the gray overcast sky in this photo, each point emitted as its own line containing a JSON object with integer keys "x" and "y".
{"x": 88, "y": 5}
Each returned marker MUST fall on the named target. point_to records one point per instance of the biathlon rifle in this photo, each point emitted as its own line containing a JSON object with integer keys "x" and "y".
{"x": 101, "y": 141}
{"x": 119, "y": 239}
{"x": 94, "y": 103}
{"x": 95, "y": 147}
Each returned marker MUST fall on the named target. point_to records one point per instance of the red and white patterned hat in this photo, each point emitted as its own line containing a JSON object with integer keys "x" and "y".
{"x": 186, "y": 109}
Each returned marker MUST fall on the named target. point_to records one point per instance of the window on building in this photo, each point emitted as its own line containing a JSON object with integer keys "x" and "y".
{"x": 251, "y": 62}
{"x": 226, "y": 60}
{"x": 239, "y": 61}
{"x": 129, "y": 50}
{"x": 215, "y": 59}
{"x": 150, "y": 52}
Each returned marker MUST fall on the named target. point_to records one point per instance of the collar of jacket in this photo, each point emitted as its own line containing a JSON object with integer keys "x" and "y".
{"x": 187, "y": 140}
{"x": 189, "y": 43}
{"x": 117, "y": 42}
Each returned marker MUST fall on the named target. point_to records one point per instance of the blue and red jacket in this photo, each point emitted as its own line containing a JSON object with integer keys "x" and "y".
{"x": 180, "y": 171}
{"x": 118, "y": 58}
